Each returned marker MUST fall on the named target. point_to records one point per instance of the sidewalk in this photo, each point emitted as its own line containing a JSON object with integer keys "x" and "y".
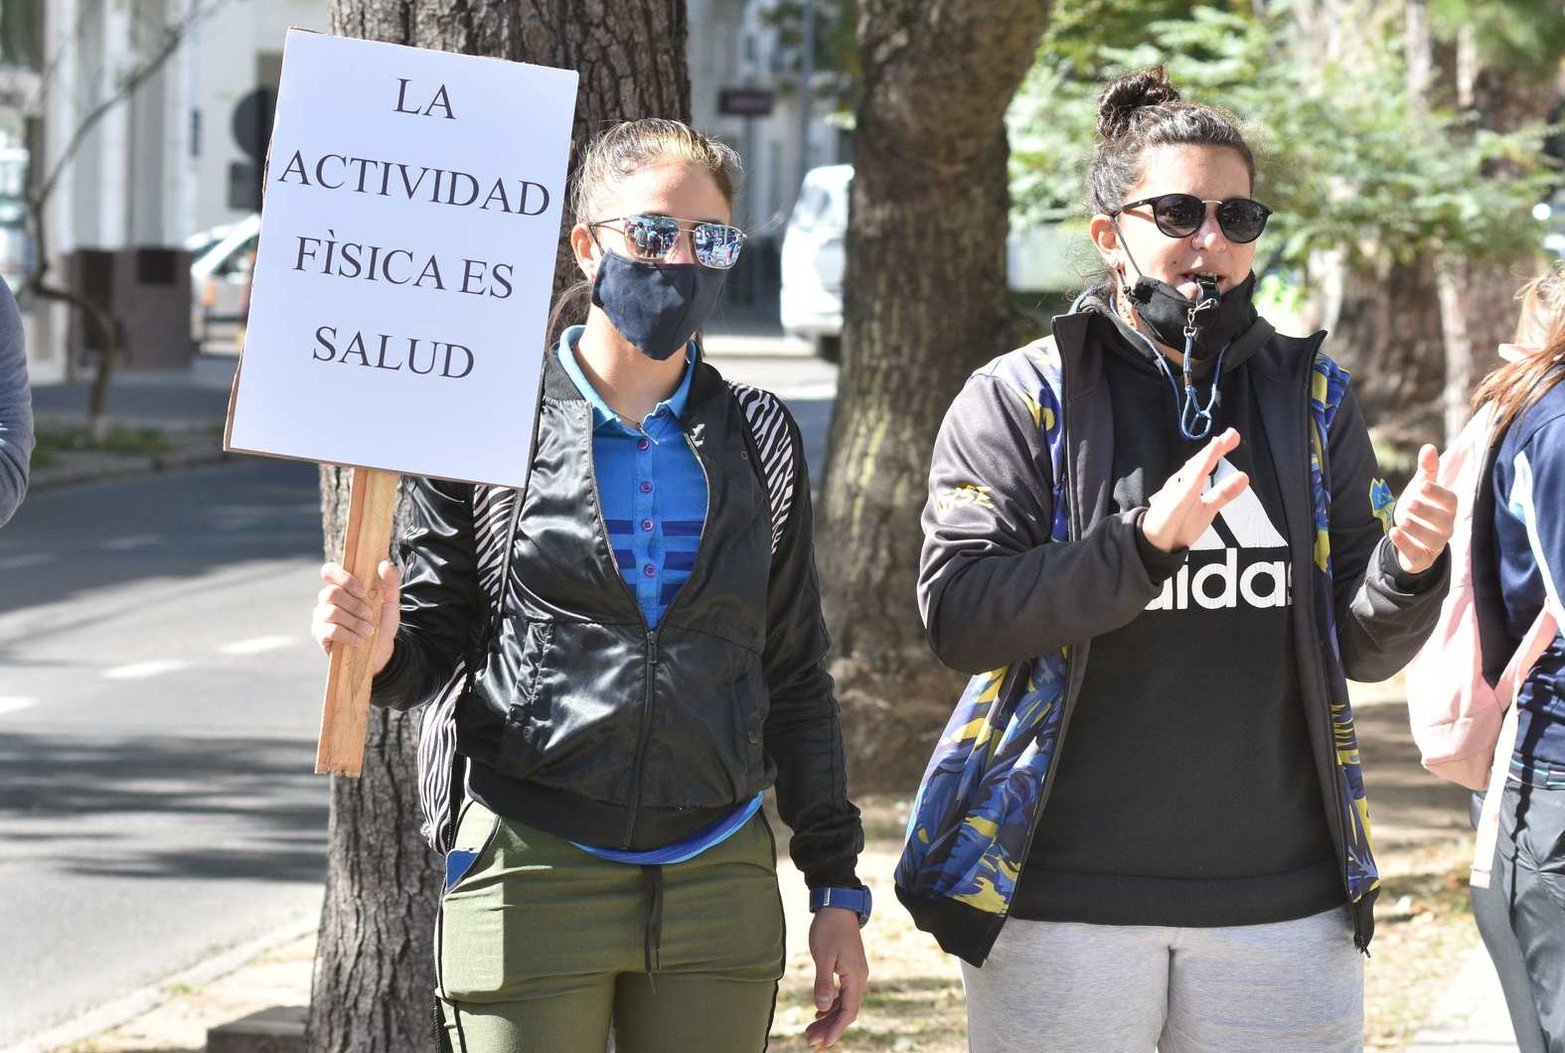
{"x": 1471, "y": 1015}
{"x": 196, "y": 398}
{"x": 157, "y": 422}
{"x": 184, "y": 411}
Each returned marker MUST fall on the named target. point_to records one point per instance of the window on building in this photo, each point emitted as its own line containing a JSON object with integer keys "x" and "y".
{"x": 21, "y": 39}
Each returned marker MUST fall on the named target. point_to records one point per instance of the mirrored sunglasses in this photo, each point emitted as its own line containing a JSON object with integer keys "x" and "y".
{"x": 653, "y": 239}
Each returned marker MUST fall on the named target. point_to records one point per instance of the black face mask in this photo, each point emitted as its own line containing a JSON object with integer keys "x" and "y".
{"x": 1214, "y": 321}
{"x": 657, "y": 307}
{"x": 1201, "y": 328}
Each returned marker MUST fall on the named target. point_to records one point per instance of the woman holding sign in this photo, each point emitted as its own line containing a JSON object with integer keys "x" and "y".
{"x": 632, "y": 651}
{"x": 1157, "y": 541}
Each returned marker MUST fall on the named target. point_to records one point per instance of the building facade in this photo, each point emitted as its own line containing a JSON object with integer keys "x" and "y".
{"x": 180, "y": 153}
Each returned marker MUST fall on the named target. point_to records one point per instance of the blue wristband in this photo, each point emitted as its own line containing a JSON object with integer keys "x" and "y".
{"x": 858, "y": 900}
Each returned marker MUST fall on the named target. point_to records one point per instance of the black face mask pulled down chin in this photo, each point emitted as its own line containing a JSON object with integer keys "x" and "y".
{"x": 1216, "y": 321}
{"x": 657, "y": 307}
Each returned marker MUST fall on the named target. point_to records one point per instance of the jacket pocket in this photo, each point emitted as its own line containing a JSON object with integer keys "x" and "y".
{"x": 750, "y": 723}
{"x": 518, "y": 753}
{"x": 579, "y": 729}
{"x": 708, "y": 749}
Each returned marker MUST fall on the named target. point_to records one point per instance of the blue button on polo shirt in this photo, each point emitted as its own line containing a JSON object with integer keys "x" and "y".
{"x": 651, "y": 486}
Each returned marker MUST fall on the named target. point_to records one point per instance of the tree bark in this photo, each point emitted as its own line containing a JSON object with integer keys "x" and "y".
{"x": 1387, "y": 334}
{"x": 926, "y": 302}
{"x": 1477, "y": 297}
{"x": 373, "y": 988}
{"x": 1418, "y": 336}
{"x": 1385, "y": 322}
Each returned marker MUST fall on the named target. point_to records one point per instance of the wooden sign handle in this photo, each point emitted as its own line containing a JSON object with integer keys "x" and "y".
{"x": 345, "y": 714}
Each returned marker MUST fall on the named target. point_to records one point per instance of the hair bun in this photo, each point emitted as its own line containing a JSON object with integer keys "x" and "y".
{"x": 1129, "y": 94}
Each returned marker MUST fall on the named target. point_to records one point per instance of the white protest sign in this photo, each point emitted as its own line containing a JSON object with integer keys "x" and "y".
{"x": 406, "y": 260}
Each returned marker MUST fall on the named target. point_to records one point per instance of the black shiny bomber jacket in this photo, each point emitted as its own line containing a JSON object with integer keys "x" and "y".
{"x": 581, "y": 721}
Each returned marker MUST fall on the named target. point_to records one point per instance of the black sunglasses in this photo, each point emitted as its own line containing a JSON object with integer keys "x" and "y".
{"x": 1181, "y": 215}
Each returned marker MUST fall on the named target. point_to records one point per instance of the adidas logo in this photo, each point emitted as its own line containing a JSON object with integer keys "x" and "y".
{"x": 1241, "y": 576}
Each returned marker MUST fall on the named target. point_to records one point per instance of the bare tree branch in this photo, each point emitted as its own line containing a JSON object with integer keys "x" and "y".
{"x": 128, "y": 85}
{"x": 104, "y": 329}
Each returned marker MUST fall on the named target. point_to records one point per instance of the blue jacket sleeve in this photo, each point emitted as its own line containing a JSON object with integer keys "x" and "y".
{"x": 16, "y": 408}
{"x": 1538, "y": 484}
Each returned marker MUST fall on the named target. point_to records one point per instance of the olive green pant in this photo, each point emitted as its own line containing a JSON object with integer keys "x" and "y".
{"x": 543, "y": 947}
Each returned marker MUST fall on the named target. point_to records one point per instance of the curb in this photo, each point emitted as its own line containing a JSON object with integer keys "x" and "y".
{"x": 128, "y": 1007}
{"x": 121, "y": 467}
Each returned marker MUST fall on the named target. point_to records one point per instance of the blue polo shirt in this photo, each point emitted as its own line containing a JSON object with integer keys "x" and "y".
{"x": 653, "y": 493}
{"x": 650, "y": 485}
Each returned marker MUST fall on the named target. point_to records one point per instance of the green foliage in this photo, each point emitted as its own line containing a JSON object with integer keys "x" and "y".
{"x": 1080, "y": 30}
{"x": 52, "y": 442}
{"x": 836, "y": 51}
{"x": 1521, "y": 34}
{"x": 1347, "y": 159}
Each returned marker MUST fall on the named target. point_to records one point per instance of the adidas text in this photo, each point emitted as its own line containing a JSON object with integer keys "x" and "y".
{"x": 1221, "y": 586}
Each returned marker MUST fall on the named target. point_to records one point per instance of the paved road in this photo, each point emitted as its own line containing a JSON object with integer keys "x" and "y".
{"x": 159, "y": 702}
{"x": 158, "y": 706}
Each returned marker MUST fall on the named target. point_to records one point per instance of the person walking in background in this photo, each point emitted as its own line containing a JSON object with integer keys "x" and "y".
{"x": 1518, "y": 565}
{"x": 1158, "y": 542}
{"x": 643, "y": 645}
{"x": 16, "y": 408}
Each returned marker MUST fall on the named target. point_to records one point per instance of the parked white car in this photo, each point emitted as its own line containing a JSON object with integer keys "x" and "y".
{"x": 1040, "y": 259}
{"x": 221, "y": 261}
{"x": 813, "y": 256}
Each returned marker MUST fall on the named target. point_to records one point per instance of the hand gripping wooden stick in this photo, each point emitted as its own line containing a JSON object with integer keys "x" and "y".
{"x": 345, "y": 714}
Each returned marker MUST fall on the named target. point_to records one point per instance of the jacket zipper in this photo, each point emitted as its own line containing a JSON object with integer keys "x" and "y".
{"x": 642, "y": 737}
{"x": 646, "y": 703}
{"x": 1072, "y": 532}
{"x": 649, "y": 668}
{"x": 1335, "y": 818}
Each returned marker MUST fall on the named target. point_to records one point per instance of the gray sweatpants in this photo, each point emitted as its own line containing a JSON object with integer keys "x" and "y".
{"x": 1063, "y": 987}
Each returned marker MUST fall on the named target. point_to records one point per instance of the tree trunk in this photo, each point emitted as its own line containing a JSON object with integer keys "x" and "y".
{"x": 1385, "y": 321}
{"x": 374, "y": 971}
{"x": 1387, "y": 334}
{"x": 926, "y": 302}
{"x": 100, "y": 326}
{"x": 1477, "y": 297}
{"x": 1419, "y": 336}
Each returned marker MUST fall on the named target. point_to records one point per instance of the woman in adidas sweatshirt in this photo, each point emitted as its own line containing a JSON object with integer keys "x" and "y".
{"x": 617, "y": 663}
{"x": 1158, "y": 542}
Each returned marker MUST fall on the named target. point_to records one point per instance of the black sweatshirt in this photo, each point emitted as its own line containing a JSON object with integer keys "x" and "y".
{"x": 1187, "y": 792}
